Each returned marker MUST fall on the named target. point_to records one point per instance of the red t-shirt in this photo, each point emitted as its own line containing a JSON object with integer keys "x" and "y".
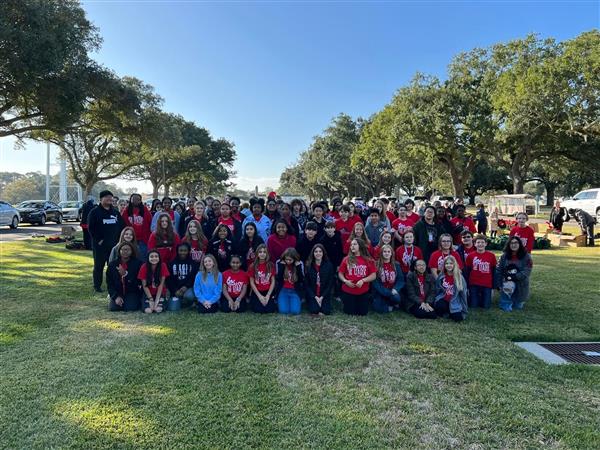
{"x": 262, "y": 277}
{"x": 197, "y": 250}
{"x": 449, "y": 287}
{"x": 346, "y": 248}
{"x": 354, "y": 220}
{"x": 228, "y": 222}
{"x": 390, "y": 216}
{"x": 406, "y": 256}
{"x": 387, "y": 275}
{"x": 362, "y": 269}
{"x": 235, "y": 282}
{"x": 421, "y": 281}
{"x": 413, "y": 217}
{"x": 288, "y": 277}
{"x": 277, "y": 245}
{"x": 402, "y": 225}
{"x": 467, "y": 224}
{"x": 526, "y": 234}
{"x": 139, "y": 222}
{"x": 436, "y": 261}
{"x": 482, "y": 267}
{"x": 167, "y": 252}
{"x": 164, "y": 272}
{"x": 344, "y": 227}
{"x": 335, "y": 214}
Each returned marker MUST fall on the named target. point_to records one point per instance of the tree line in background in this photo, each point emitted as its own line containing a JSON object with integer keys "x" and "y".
{"x": 515, "y": 112}
{"x": 106, "y": 126}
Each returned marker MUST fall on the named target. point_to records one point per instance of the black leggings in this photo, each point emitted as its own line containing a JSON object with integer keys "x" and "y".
{"x": 258, "y": 307}
{"x": 356, "y": 305}
{"x": 442, "y": 307}
{"x": 419, "y": 313}
{"x": 131, "y": 302}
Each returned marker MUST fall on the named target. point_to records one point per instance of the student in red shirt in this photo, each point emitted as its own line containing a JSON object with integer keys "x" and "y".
{"x": 386, "y": 238}
{"x": 164, "y": 239}
{"x": 262, "y": 282}
{"x": 461, "y": 223}
{"x": 235, "y": 287}
{"x": 402, "y": 224}
{"x": 436, "y": 261}
{"x": 343, "y": 224}
{"x": 466, "y": 247}
{"x": 523, "y": 231}
{"x": 234, "y": 226}
{"x": 408, "y": 253}
{"x": 281, "y": 240}
{"x": 197, "y": 240}
{"x": 358, "y": 232}
{"x": 354, "y": 216}
{"x": 410, "y": 214}
{"x": 335, "y": 211}
{"x": 289, "y": 282}
{"x": 356, "y": 273}
{"x": 153, "y": 274}
{"x": 136, "y": 215}
{"x": 480, "y": 268}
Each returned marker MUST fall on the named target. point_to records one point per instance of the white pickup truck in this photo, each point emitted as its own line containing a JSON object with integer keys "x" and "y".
{"x": 588, "y": 200}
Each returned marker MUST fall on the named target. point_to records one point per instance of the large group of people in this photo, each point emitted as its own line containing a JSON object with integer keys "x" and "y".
{"x": 269, "y": 256}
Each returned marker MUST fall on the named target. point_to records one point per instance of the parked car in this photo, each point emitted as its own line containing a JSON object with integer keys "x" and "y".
{"x": 71, "y": 210}
{"x": 588, "y": 200}
{"x": 39, "y": 212}
{"x": 9, "y": 215}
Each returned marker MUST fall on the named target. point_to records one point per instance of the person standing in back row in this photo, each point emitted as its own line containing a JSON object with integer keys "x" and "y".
{"x": 104, "y": 225}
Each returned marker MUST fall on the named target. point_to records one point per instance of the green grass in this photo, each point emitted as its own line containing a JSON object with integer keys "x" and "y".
{"x": 74, "y": 375}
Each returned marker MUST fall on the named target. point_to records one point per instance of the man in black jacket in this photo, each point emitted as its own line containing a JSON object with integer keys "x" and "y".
{"x": 104, "y": 225}
{"x": 85, "y": 212}
{"x": 586, "y": 223}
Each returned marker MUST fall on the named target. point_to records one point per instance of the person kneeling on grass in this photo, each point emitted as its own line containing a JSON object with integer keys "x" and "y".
{"x": 235, "y": 287}
{"x": 122, "y": 280}
{"x": 262, "y": 282}
{"x": 153, "y": 274}
{"x": 512, "y": 275}
{"x": 182, "y": 273}
{"x": 420, "y": 292}
{"x": 356, "y": 273}
{"x": 289, "y": 282}
{"x": 451, "y": 291}
{"x": 389, "y": 282}
{"x": 319, "y": 281}
{"x": 208, "y": 286}
{"x": 480, "y": 267}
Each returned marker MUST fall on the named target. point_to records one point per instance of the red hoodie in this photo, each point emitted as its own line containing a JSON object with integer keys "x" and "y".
{"x": 277, "y": 245}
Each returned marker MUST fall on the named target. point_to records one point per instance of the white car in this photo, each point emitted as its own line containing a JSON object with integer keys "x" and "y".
{"x": 70, "y": 210}
{"x": 9, "y": 215}
{"x": 588, "y": 200}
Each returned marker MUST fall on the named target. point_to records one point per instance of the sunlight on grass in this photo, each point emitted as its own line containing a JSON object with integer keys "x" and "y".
{"x": 122, "y": 328}
{"x": 115, "y": 419}
{"x": 14, "y": 333}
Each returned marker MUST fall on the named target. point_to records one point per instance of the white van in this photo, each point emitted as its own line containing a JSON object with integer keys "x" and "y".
{"x": 588, "y": 200}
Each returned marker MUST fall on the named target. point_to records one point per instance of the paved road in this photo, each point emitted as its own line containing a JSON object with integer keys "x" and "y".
{"x": 24, "y": 231}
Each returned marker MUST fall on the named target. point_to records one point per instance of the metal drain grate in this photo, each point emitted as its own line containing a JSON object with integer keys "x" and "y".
{"x": 577, "y": 352}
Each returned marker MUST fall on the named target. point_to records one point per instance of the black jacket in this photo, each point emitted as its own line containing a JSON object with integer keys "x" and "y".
{"x": 412, "y": 290}
{"x": 208, "y": 226}
{"x": 327, "y": 276}
{"x": 304, "y": 246}
{"x": 85, "y": 211}
{"x": 334, "y": 248}
{"x": 244, "y": 246}
{"x": 113, "y": 278}
{"x": 105, "y": 225}
{"x": 584, "y": 219}
{"x": 298, "y": 285}
{"x": 181, "y": 273}
{"x": 222, "y": 258}
{"x": 421, "y": 230}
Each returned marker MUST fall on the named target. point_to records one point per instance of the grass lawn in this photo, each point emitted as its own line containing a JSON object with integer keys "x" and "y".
{"x": 74, "y": 375}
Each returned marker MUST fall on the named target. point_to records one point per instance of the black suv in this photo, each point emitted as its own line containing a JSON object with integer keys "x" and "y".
{"x": 39, "y": 211}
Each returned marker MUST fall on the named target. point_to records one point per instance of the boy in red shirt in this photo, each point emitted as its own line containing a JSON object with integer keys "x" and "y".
{"x": 523, "y": 231}
{"x": 344, "y": 224}
{"x": 480, "y": 267}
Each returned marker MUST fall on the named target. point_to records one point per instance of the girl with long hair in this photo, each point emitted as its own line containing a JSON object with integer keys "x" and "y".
{"x": 451, "y": 291}
{"x": 153, "y": 275}
{"x": 356, "y": 273}
{"x": 127, "y": 235}
{"x": 289, "y": 279}
{"x": 319, "y": 281}
{"x": 122, "y": 280}
{"x": 420, "y": 292}
{"x": 235, "y": 287}
{"x": 248, "y": 245}
{"x": 512, "y": 275}
{"x": 194, "y": 236}
{"x": 262, "y": 282}
{"x": 388, "y": 283}
{"x": 136, "y": 215}
{"x": 280, "y": 240}
{"x": 164, "y": 239}
{"x": 358, "y": 232}
{"x": 385, "y": 238}
{"x": 221, "y": 246}
{"x": 208, "y": 286}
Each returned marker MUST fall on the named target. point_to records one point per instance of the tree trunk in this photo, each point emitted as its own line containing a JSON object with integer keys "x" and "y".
{"x": 87, "y": 188}
{"x": 550, "y": 190}
{"x": 518, "y": 182}
{"x": 471, "y": 198}
{"x": 155, "y": 187}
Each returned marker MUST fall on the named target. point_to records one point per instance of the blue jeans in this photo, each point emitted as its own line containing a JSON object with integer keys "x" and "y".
{"x": 506, "y": 301}
{"x": 480, "y": 297}
{"x": 382, "y": 304}
{"x": 288, "y": 301}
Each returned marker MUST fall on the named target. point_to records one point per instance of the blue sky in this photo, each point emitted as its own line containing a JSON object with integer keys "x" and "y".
{"x": 271, "y": 75}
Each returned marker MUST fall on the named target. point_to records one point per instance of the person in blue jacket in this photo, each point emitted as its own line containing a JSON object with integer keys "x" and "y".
{"x": 451, "y": 291}
{"x": 208, "y": 286}
{"x": 388, "y": 283}
{"x": 262, "y": 222}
